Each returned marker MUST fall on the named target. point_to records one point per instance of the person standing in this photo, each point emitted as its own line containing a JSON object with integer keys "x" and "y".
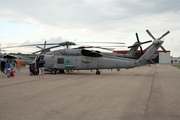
{"x": 37, "y": 66}
{"x": 15, "y": 65}
{"x": 19, "y": 64}
{"x": 41, "y": 67}
{"x": 8, "y": 68}
{"x": 3, "y": 66}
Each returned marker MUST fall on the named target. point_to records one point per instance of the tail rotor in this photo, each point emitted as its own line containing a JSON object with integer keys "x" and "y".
{"x": 149, "y": 33}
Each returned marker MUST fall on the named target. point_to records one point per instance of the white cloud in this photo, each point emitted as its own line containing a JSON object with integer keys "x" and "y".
{"x": 88, "y": 20}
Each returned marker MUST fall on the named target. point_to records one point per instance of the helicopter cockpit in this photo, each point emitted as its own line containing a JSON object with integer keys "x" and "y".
{"x": 38, "y": 57}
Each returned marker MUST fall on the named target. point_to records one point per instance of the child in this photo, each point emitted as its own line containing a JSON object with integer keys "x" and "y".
{"x": 12, "y": 72}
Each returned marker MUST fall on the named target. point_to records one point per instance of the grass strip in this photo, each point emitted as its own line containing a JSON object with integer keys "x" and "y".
{"x": 176, "y": 65}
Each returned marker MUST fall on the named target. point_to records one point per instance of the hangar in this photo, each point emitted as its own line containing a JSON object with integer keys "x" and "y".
{"x": 162, "y": 57}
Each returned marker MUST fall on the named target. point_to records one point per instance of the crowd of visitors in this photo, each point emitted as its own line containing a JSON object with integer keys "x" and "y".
{"x": 9, "y": 69}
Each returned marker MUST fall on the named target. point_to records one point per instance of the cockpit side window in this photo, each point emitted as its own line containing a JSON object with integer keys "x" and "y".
{"x": 60, "y": 60}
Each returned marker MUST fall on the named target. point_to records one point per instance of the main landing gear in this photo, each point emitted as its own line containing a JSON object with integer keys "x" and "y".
{"x": 55, "y": 71}
{"x": 98, "y": 72}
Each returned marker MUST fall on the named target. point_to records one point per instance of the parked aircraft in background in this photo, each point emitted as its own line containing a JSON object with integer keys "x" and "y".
{"x": 26, "y": 59}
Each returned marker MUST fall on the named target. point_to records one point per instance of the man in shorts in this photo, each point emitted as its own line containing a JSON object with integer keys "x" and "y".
{"x": 41, "y": 67}
{"x": 19, "y": 64}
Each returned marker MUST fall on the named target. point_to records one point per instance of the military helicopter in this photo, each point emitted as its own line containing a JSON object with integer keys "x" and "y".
{"x": 82, "y": 59}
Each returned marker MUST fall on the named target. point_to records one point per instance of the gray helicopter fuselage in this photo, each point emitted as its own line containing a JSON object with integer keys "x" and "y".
{"x": 78, "y": 59}
{"x": 69, "y": 59}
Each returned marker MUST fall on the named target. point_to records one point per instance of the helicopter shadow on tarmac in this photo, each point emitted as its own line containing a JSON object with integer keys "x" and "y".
{"x": 104, "y": 73}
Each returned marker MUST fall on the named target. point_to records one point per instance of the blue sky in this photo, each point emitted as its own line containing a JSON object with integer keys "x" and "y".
{"x": 27, "y": 22}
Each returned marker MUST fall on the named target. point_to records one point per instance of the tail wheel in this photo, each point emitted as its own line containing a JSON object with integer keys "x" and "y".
{"x": 54, "y": 71}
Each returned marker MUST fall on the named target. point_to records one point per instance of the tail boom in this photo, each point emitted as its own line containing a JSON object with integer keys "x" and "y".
{"x": 149, "y": 53}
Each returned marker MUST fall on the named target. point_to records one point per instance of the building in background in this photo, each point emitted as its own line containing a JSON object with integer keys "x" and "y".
{"x": 175, "y": 60}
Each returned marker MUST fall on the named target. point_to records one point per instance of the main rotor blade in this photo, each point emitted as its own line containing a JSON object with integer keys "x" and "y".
{"x": 105, "y": 48}
{"x": 26, "y": 45}
{"x": 104, "y": 42}
{"x": 164, "y": 35}
{"x": 46, "y": 49}
{"x": 37, "y": 51}
{"x": 163, "y": 49}
{"x": 59, "y": 44}
{"x": 150, "y": 34}
{"x": 52, "y": 47}
{"x": 39, "y": 47}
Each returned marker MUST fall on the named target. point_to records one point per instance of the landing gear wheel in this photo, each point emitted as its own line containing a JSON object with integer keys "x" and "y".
{"x": 98, "y": 72}
{"x": 61, "y": 71}
{"x": 53, "y": 71}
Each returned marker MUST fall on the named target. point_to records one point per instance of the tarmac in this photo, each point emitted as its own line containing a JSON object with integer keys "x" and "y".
{"x": 145, "y": 93}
